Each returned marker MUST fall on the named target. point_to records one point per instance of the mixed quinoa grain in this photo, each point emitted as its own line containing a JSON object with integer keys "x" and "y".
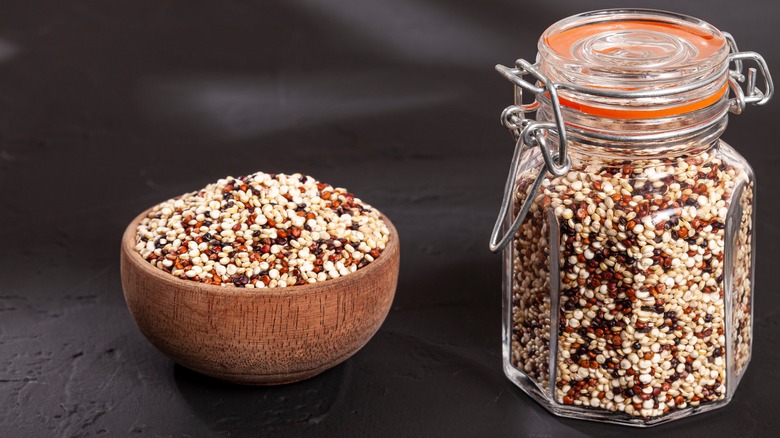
{"x": 642, "y": 252}
{"x": 262, "y": 230}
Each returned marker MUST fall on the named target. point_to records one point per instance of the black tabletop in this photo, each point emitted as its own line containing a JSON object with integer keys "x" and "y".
{"x": 107, "y": 108}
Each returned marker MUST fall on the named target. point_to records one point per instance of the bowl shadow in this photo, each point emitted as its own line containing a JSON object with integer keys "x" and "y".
{"x": 249, "y": 410}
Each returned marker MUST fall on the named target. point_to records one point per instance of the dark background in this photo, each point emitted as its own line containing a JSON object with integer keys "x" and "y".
{"x": 107, "y": 108}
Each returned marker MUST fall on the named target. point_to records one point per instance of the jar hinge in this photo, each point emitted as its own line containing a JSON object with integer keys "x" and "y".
{"x": 753, "y": 95}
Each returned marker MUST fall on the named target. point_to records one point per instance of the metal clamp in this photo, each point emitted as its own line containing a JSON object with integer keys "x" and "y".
{"x": 511, "y": 114}
{"x": 528, "y": 134}
{"x": 753, "y": 95}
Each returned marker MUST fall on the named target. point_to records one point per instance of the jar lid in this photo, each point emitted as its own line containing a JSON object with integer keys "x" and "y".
{"x": 634, "y": 51}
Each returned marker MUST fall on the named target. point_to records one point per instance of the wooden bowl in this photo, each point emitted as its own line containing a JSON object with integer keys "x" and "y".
{"x": 258, "y": 336}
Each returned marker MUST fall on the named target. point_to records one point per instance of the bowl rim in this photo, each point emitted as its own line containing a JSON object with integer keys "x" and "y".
{"x": 130, "y": 255}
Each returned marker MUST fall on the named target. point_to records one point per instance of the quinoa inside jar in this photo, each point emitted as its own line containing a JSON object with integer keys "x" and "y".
{"x": 641, "y": 247}
{"x": 628, "y": 280}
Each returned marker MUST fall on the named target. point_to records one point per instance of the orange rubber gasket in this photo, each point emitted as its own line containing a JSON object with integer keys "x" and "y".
{"x": 644, "y": 114}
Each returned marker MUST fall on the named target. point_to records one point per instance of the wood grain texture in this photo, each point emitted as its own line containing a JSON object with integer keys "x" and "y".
{"x": 258, "y": 336}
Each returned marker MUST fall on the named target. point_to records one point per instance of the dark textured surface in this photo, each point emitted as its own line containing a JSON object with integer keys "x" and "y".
{"x": 109, "y": 107}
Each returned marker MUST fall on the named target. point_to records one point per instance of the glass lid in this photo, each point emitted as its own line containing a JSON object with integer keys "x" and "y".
{"x": 631, "y": 51}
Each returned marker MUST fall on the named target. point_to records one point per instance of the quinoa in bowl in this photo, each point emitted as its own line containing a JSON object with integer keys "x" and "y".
{"x": 262, "y": 231}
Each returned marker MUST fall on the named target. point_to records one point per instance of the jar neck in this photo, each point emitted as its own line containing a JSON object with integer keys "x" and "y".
{"x": 639, "y": 138}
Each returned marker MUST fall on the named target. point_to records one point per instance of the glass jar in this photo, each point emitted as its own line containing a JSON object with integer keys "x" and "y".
{"x": 627, "y": 223}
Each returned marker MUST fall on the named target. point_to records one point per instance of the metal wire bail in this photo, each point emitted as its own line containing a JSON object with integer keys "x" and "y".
{"x": 528, "y": 133}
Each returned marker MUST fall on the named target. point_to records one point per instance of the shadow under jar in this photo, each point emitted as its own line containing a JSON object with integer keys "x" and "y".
{"x": 627, "y": 223}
